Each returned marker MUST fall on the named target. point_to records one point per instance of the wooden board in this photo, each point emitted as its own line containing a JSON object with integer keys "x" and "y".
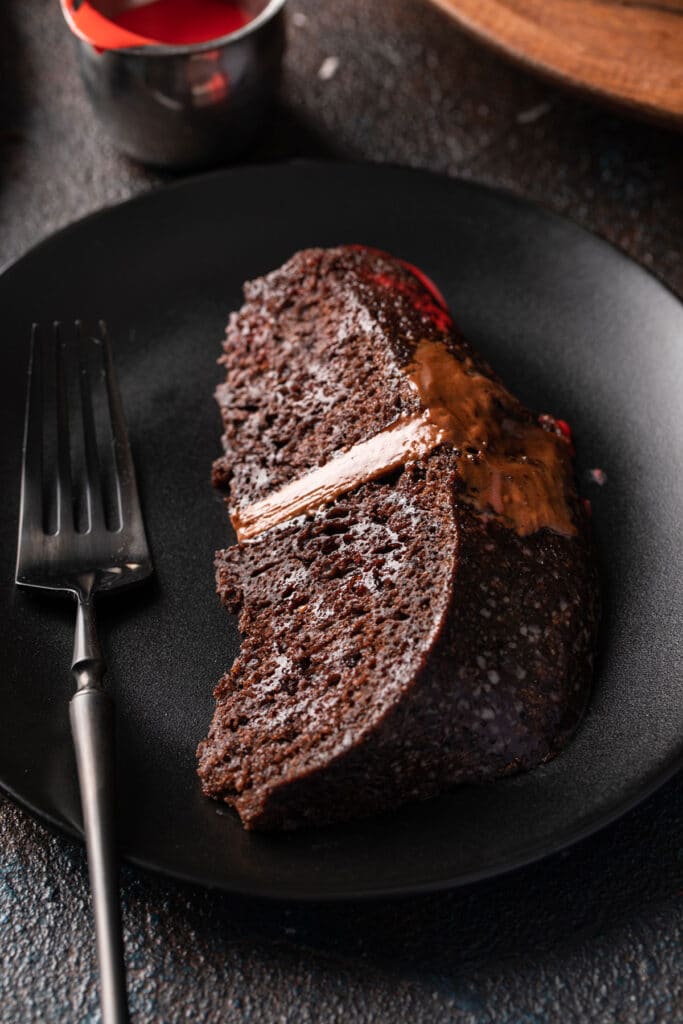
{"x": 625, "y": 51}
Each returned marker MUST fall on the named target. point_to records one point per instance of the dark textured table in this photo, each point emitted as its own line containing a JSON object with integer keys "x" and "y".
{"x": 593, "y": 934}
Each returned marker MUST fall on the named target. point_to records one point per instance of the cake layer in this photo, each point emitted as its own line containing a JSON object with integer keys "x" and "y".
{"x": 427, "y": 620}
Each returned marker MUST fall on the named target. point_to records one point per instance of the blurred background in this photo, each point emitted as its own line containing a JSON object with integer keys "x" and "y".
{"x": 395, "y": 81}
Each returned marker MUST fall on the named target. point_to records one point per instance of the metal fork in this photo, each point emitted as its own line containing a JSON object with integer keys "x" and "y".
{"x": 81, "y": 532}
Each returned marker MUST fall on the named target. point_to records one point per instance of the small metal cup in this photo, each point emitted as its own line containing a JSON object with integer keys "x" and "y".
{"x": 184, "y": 106}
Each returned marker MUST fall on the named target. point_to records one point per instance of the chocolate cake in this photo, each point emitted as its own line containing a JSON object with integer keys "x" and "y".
{"x": 413, "y": 572}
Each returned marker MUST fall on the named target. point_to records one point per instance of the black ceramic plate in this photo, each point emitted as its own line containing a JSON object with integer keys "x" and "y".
{"x": 573, "y": 327}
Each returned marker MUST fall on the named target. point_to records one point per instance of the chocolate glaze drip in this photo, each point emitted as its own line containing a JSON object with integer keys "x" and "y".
{"x": 511, "y": 469}
{"x": 510, "y": 466}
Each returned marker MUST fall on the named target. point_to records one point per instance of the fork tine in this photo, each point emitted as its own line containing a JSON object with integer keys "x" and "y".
{"x": 31, "y": 506}
{"x": 93, "y": 469}
{"x": 65, "y": 512}
{"x": 129, "y": 504}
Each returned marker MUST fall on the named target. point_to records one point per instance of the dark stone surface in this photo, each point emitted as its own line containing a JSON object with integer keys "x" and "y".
{"x": 594, "y": 934}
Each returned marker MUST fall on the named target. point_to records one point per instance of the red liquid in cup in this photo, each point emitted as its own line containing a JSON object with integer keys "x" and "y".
{"x": 181, "y": 22}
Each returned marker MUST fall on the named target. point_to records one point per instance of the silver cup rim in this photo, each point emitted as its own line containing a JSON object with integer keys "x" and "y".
{"x": 272, "y": 8}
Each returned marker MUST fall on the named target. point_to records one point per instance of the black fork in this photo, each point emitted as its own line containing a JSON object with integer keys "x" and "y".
{"x": 81, "y": 532}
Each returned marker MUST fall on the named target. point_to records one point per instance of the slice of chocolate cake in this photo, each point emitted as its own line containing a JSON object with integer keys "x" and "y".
{"x": 412, "y": 576}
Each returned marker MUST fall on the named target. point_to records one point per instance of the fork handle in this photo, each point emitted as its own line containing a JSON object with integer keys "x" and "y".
{"x": 92, "y": 726}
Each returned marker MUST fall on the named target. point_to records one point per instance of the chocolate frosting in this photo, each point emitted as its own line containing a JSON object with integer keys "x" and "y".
{"x": 510, "y": 468}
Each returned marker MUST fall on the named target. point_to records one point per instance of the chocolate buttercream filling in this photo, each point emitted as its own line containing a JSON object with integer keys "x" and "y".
{"x": 510, "y": 468}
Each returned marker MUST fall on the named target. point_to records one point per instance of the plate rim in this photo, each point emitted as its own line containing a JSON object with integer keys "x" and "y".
{"x": 563, "y": 840}
{"x": 566, "y": 841}
{"x": 503, "y": 192}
